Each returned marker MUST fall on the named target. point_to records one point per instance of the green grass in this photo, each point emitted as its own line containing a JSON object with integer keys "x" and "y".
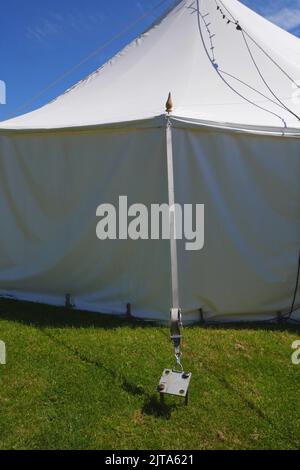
{"x": 82, "y": 381}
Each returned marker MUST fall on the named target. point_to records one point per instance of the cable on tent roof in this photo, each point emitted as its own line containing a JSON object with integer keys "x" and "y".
{"x": 264, "y": 80}
{"x": 215, "y": 65}
{"x": 85, "y": 60}
{"x": 211, "y": 36}
{"x": 255, "y": 42}
{"x": 252, "y": 88}
{"x": 239, "y": 28}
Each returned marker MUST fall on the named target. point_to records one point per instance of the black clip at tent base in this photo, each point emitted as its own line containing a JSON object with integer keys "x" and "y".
{"x": 174, "y": 383}
{"x": 129, "y": 312}
{"x": 68, "y": 302}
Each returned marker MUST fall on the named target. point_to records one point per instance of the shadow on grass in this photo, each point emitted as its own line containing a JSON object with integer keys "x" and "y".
{"x": 151, "y": 406}
{"x": 43, "y": 316}
{"x": 132, "y": 389}
{"x": 154, "y": 407}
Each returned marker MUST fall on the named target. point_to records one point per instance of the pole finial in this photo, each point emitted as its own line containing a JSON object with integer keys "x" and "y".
{"x": 169, "y": 104}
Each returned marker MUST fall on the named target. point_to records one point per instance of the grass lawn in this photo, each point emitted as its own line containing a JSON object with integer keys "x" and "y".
{"x": 81, "y": 381}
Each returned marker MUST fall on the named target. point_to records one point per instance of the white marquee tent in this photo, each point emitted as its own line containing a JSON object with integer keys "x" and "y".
{"x": 235, "y": 128}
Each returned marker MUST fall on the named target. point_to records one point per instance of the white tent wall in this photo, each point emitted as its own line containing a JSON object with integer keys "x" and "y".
{"x": 250, "y": 187}
{"x": 50, "y": 187}
{"x": 51, "y": 184}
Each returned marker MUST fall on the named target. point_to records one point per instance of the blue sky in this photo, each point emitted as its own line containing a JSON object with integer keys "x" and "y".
{"x": 40, "y": 40}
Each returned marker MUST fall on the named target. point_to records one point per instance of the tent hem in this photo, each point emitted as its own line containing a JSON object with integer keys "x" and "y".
{"x": 158, "y": 122}
{"x": 197, "y": 124}
{"x": 154, "y": 122}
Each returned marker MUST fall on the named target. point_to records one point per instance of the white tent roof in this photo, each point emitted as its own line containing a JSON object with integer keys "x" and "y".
{"x": 216, "y": 73}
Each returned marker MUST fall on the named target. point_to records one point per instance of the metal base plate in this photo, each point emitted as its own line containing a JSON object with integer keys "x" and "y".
{"x": 174, "y": 383}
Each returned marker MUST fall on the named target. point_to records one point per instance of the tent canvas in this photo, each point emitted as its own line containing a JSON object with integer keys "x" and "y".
{"x": 235, "y": 134}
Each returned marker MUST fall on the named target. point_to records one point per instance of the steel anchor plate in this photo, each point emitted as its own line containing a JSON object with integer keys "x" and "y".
{"x": 174, "y": 383}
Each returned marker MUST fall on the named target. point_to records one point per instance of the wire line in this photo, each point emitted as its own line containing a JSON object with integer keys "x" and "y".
{"x": 258, "y": 45}
{"x": 265, "y": 82}
{"x": 224, "y": 80}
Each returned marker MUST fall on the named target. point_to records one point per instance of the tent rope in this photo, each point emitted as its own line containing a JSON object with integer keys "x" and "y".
{"x": 236, "y": 22}
{"x": 265, "y": 82}
{"x": 225, "y": 81}
{"x": 220, "y": 2}
{"x": 252, "y": 88}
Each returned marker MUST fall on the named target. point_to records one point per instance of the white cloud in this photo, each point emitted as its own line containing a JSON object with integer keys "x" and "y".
{"x": 56, "y": 24}
{"x": 286, "y": 18}
{"x": 284, "y": 13}
{"x": 43, "y": 30}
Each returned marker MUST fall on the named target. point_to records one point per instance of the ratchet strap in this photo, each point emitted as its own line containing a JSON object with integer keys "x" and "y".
{"x": 175, "y": 317}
